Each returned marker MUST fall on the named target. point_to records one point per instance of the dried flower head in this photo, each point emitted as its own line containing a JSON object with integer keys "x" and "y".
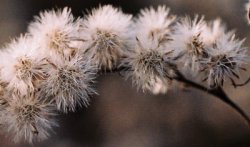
{"x": 21, "y": 66}
{"x": 107, "y": 34}
{"x": 29, "y": 119}
{"x": 55, "y": 31}
{"x": 225, "y": 58}
{"x": 69, "y": 83}
{"x": 154, "y": 26}
{"x": 149, "y": 62}
{"x": 150, "y": 68}
{"x": 189, "y": 42}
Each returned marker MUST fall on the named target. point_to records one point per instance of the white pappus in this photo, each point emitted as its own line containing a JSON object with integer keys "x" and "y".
{"x": 107, "y": 31}
{"x": 69, "y": 83}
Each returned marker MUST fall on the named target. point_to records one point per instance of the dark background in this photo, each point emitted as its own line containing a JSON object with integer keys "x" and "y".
{"x": 121, "y": 116}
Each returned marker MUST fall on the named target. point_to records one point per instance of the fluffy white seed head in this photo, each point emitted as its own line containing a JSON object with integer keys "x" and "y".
{"x": 150, "y": 69}
{"x": 189, "y": 42}
{"x": 21, "y": 66}
{"x": 153, "y": 26}
{"x": 225, "y": 58}
{"x": 149, "y": 66}
{"x": 29, "y": 119}
{"x": 69, "y": 83}
{"x": 56, "y": 32}
{"x": 107, "y": 34}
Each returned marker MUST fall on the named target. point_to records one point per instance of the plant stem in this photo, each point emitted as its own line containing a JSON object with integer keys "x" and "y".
{"x": 217, "y": 92}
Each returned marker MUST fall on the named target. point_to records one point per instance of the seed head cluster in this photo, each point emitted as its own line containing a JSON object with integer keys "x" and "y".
{"x": 53, "y": 66}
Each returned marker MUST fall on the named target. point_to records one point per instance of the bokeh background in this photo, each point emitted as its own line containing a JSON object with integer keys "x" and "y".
{"x": 121, "y": 116}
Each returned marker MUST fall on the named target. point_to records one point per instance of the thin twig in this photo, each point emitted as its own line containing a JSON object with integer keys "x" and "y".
{"x": 242, "y": 84}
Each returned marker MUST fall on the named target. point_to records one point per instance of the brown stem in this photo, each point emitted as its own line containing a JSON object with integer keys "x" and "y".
{"x": 217, "y": 92}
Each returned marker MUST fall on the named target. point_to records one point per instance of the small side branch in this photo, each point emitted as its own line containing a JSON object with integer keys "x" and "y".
{"x": 242, "y": 84}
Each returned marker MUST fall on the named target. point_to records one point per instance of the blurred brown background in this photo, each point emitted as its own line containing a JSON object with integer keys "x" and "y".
{"x": 121, "y": 116}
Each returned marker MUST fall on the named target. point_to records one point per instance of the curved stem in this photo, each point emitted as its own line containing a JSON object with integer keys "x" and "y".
{"x": 217, "y": 92}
